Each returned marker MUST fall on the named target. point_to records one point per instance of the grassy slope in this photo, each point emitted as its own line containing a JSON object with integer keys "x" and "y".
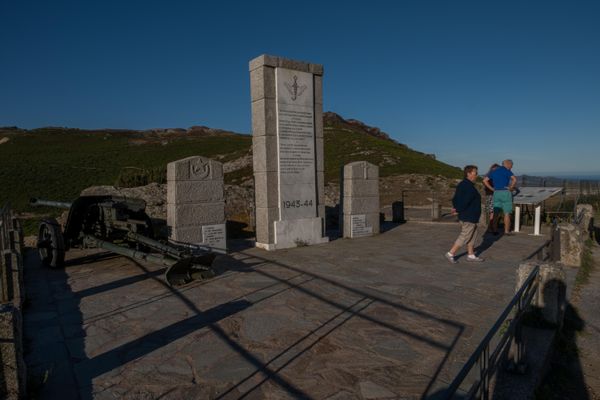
{"x": 57, "y": 163}
{"x": 344, "y": 144}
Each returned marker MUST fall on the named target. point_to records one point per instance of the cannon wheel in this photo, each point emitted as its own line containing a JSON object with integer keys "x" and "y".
{"x": 51, "y": 244}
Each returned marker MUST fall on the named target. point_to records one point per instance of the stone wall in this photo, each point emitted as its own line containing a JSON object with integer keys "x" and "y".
{"x": 574, "y": 235}
{"x": 550, "y": 296}
{"x": 585, "y": 216}
{"x": 571, "y": 244}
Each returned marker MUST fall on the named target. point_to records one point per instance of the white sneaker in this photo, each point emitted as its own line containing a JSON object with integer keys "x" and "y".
{"x": 475, "y": 259}
{"x": 450, "y": 258}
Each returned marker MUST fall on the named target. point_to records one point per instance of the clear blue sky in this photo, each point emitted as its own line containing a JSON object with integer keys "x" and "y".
{"x": 472, "y": 82}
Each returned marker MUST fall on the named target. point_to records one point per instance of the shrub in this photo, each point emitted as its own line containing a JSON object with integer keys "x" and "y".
{"x": 133, "y": 176}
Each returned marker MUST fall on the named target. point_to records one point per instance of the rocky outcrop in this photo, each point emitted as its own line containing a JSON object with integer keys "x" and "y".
{"x": 331, "y": 118}
{"x": 154, "y": 194}
{"x": 239, "y": 199}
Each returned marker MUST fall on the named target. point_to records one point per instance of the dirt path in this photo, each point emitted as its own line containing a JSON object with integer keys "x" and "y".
{"x": 588, "y": 341}
{"x": 575, "y": 368}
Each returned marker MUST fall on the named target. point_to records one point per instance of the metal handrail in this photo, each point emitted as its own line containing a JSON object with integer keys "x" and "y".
{"x": 433, "y": 192}
{"x": 5, "y": 226}
{"x": 521, "y": 299}
{"x": 539, "y": 252}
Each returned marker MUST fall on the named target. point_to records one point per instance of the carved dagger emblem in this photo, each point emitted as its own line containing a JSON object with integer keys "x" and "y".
{"x": 295, "y": 89}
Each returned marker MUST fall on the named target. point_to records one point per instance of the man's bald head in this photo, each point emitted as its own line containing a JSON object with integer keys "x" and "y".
{"x": 507, "y": 164}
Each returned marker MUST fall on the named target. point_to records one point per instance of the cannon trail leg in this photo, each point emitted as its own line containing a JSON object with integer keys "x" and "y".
{"x": 179, "y": 271}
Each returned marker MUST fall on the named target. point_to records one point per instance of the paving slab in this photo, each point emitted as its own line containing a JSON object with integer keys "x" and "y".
{"x": 379, "y": 317}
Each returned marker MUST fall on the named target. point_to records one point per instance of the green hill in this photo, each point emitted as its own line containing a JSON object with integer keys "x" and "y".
{"x": 57, "y": 163}
{"x": 351, "y": 140}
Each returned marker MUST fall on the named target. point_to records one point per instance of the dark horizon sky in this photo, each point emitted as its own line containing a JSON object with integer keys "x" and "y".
{"x": 470, "y": 81}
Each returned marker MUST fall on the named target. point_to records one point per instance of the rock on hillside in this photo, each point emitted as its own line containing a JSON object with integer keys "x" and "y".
{"x": 239, "y": 199}
{"x": 154, "y": 194}
{"x": 333, "y": 119}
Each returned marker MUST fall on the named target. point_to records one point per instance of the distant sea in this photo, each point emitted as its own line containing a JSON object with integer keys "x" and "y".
{"x": 573, "y": 177}
{"x": 581, "y": 177}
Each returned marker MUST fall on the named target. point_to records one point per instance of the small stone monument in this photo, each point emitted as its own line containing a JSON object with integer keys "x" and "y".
{"x": 195, "y": 204}
{"x": 287, "y": 143}
{"x": 359, "y": 203}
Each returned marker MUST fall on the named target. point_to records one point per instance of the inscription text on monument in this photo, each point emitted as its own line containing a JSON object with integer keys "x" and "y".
{"x": 296, "y": 145}
{"x": 359, "y": 226}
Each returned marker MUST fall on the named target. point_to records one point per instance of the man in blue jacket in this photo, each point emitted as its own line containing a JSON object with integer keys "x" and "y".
{"x": 504, "y": 181}
{"x": 467, "y": 203}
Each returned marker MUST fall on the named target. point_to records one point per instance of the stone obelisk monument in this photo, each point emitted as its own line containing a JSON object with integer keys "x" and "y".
{"x": 287, "y": 141}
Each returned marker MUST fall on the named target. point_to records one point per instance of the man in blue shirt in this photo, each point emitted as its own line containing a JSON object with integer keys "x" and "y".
{"x": 504, "y": 181}
{"x": 467, "y": 203}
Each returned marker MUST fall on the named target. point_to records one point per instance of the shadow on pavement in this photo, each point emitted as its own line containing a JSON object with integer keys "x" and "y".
{"x": 565, "y": 378}
{"x": 91, "y": 258}
{"x": 420, "y": 336}
{"x": 62, "y": 328}
{"x": 114, "y": 358}
{"x": 53, "y": 333}
{"x": 488, "y": 241}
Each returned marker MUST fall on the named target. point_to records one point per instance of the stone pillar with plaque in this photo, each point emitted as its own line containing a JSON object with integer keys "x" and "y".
{"x": 287, "y": 143}
{"x": 359, "y": 202}
{"x": 195, "y": 202}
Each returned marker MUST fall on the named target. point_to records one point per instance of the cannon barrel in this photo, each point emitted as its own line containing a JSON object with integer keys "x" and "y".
{"x": 50, "y": 203}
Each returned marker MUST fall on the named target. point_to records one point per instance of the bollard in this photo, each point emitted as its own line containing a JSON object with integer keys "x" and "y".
{"x": 398, "y": 212}
{"x": 436, "y": 210}
{"x": 571, "y": 244}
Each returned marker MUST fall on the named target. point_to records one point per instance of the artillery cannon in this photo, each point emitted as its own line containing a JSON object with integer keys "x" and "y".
{"x": 119, "y": 225}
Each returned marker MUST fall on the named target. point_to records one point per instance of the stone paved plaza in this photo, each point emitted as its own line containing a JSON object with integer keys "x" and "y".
{"x": 371, "y": 318}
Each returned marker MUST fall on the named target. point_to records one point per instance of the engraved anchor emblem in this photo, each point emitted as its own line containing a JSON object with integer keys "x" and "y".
{"x": 295, "y": 89}
{"x": 200, "y": 169}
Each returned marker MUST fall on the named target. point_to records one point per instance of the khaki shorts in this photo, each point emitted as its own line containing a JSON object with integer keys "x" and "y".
{"x": 468, "y": 234}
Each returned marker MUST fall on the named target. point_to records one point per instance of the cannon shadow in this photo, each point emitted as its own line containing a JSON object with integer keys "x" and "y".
{"x": 72, "y": 367}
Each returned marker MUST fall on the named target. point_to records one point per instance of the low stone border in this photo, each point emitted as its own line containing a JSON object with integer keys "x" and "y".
{"x": 12, "y": 373}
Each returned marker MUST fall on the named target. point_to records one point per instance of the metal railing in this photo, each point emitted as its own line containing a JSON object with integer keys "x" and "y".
{"x": 434, "y": 203}
{"x": 571, "y": 186}
{"x": 489, "y": 363}
{"x": 9, "y": 243}
{"x": 550, "y": 250}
